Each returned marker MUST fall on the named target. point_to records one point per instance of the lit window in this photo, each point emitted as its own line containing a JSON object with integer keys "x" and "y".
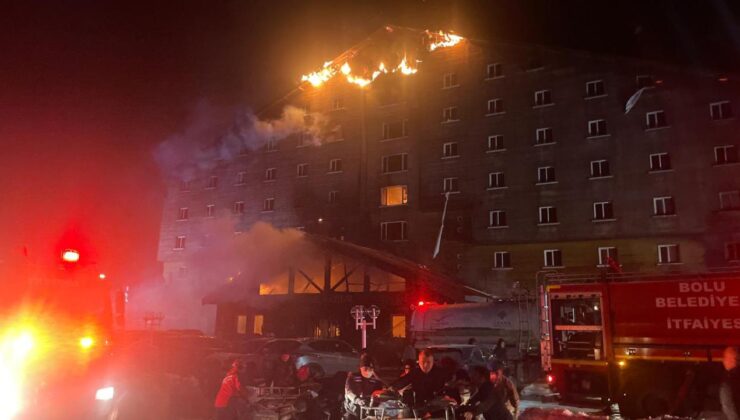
{"x": 660, "y": 162}
{"x": 553, "y": 258}
{"x": 600, "y": 168}
{"x": 501, "y": 259}
{"x": 393, "y": 231}
{"x": 597, "y": 128}
{"x": 212, "y": 182}
{"x": 238, "y": 207}
{"x": 732, "y": 251}
{"x": 497, "y": 218}
{"x": 450, "y": 114}
{"x": 398, "y": 323}
{"x": 393, "y": 195}
{"x": 542, "y": 97}
{"x": 663, "y": 206}
{"x": 595, "y": 88}
{"x": 544, "y": 136}
{"x": 259, "y": 321}
{"x": 495, "y": 106}
{"x": 394, "y": 130}
{"x": 669, "y": 254}
{"x": 449, "y": 80}
{"x": 655, "y": 119}
{"x": 548, "y": 215}
{"x": 496, "y": 180}
{"x": 394, "y": 163}
{"x": 720, "y": 110}
{"x": 603, "y": 210}
{"x": 210, "y": 210}
{"x": 545, "y": 174}
{"x": 268, "y": 204}
{"x": 302, "y": 169}
{"x": 607, "y": 254}
{"x": 180, "y": 242}
{"x": 182, "y": 213}
{"x": 645, "y": 81}
{"x": 270, "y": 174}
{"x": 241, "y": 178}
{"x": 729, "y": 200}
{"x": 335, "y": 165}
{"x": 725, "y": 154}
{"x": 449, "y": 150}
{"x": 496, "y": 143}
{"x": 494, "y": 71}
{"x": 450, "y": 185}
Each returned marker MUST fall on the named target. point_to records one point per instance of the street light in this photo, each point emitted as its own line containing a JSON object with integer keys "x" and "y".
{"x": 361, "y": 316}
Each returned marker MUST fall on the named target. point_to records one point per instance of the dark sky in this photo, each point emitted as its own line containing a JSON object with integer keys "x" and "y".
{"x": 88, "y": 88}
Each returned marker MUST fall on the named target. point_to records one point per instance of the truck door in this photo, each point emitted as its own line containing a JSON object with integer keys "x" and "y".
{"x": 577, "y": 326}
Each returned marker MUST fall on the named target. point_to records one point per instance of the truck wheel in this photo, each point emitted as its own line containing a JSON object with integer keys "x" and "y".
{"x": 645, "y": 403}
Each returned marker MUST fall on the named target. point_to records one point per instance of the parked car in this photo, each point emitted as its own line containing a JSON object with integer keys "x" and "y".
{"x": 325, "y": 357}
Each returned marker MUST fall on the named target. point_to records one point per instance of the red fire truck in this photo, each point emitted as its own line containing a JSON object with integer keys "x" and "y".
{"x": 651, "y": 343}
{"x": 56, "y": 324}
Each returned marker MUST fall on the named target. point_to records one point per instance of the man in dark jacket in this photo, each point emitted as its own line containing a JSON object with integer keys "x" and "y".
{"x": 427, "y": 380}
{"x": 283, "y": 371}
{"x": 360, "y": 386}
{"x": 729, "y": 391}
{"x": 495, "y": 399}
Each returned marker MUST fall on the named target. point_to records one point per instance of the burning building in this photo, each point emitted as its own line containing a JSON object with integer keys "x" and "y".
{"x": 532, "y": 158}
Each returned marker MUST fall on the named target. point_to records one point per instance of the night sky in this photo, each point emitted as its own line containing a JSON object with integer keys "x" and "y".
{"x": 89, "y": 88}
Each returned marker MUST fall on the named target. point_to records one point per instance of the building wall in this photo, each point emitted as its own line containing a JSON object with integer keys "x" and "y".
{"x": 694, "y": 180}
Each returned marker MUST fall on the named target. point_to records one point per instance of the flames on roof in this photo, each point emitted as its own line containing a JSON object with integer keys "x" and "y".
{"x": 364, "y": 73}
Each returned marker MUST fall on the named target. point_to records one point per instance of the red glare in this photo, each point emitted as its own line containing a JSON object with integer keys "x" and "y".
{"x": 550, "y": 379}
{"x": 421, "y": 303}
{"x": 70, "y": 256}
{"x": 723, "y": 79}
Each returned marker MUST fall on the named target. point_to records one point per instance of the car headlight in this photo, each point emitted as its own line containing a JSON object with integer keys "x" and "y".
{"x": 105, "y": 394}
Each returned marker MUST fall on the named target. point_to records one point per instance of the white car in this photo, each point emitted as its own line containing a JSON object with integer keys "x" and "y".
{"x": 325, "y": 356}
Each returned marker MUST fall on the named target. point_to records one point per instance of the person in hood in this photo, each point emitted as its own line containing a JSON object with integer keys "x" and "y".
{"x": 231, "y": 388}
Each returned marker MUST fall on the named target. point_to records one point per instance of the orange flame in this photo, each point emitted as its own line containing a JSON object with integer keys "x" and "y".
{"x": 320, "y": 77}
{"x": 443, "y": 40}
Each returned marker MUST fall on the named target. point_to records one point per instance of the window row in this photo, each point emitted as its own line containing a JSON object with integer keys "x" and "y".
{"x": 607, "y": 256}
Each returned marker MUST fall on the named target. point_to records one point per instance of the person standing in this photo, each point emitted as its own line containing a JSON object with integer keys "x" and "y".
{"x": 729, "y": 391}
{"x": 230, "y": 388}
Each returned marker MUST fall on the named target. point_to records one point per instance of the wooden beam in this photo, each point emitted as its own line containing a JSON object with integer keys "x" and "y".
{"x": 327, "y": 273}
{"x": 310, "y": 280}
{"x": 343, "y": 279}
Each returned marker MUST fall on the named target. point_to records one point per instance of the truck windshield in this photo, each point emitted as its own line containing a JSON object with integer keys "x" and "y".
{"x": 577, "y": 328}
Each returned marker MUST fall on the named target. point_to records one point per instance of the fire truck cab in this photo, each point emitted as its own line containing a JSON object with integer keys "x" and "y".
{"x": 651, "y": 343}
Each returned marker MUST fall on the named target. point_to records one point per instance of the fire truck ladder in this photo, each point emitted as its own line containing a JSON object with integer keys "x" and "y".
{"x": 522, "y": 301}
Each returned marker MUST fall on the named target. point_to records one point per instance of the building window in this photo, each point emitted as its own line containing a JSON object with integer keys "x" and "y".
{"x": 394, "y": 163}
{"x": 607, "y": 254}
{"x": 720, "y": 110}
{"x": 268, "y": 204}
{"x": 597, "y": 128}
{"x": 335, "y": 165}
{"x": 270, "y": 174}
{"x": 660, "y": 162}
{"x": 544, "y": 136}
{"x": 495, "y": 106}
{"x": 398, "y": 326}
{"x": 603, "y": 210}
{"x": 494, "y": 71}
{"x": 241, "y": 178}
{"x": 450, "y": 185}
{"x": 305, "y": 139}
{"x": 600, "y": 168}
{"x": 333, "y": 197}
{"x": 548, "y": 214}
{"x": 645, "y": 81}
{"x": 182, "y": 213}
{"x": 542, "y": 98}
{"x": 655, "y": 119}
{"x": 496, "y": 143}
{"x": 271, "y": 145}
{"x": 241, "y": 324}
{"x": 337, "y": 103}
{"x": 394, "y": 195}
{"x": 497, "y": 218}
{"x": 394, "y": 130}
{"x": 212, "y": 182}
{"x": 210, "y": 210}
{"x": 259, "y": 322}
{"x": 501, "y": 259}
{"x": 450, "y": 114}
{"x": 496, "y": 180}
{"x": 302, "y": 169}
{"x": 595, "y": 88}
{"x": 669, "y": 254}
{"x": 449, "y": 150}
{"x": 185, "y": 186}
{"x": 393, "y": 231}
{"x": 729, "y": 200}
{"x": 553, "y": 258}
{"x": 545, "y": 174}
{"x": 732, "y": 251}
{"x": 725, "y": 154}
{"x": 238, "y": 207}
{"x": 180, "y": 242}
{"x": 449, "y": 80}
{"x": 663, "y": 206}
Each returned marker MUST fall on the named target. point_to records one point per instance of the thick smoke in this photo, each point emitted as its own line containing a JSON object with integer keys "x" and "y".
{"x": 211, "y": 137}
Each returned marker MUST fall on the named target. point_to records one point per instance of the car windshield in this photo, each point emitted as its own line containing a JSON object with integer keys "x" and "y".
{"x": 331, "y": 346}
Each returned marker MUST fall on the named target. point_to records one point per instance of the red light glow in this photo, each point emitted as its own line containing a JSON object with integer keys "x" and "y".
{"x": 421, "y": 303}
{"x": 70, "y": 255}
{"x": 550, "y": 379}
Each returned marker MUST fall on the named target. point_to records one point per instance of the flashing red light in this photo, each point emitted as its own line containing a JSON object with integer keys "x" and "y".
{"x": 723, "y": 79}
{"x": 70, "y": 255}
{"x": 658, "y": 82}
{"x": 421, "y": 303}
{"x": 102, "y": 276}
{"x": 550, "y": 379}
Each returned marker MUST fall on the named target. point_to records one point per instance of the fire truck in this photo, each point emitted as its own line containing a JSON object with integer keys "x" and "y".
{"x": 56, "y": 325}
{"x": 652, "y": 343}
